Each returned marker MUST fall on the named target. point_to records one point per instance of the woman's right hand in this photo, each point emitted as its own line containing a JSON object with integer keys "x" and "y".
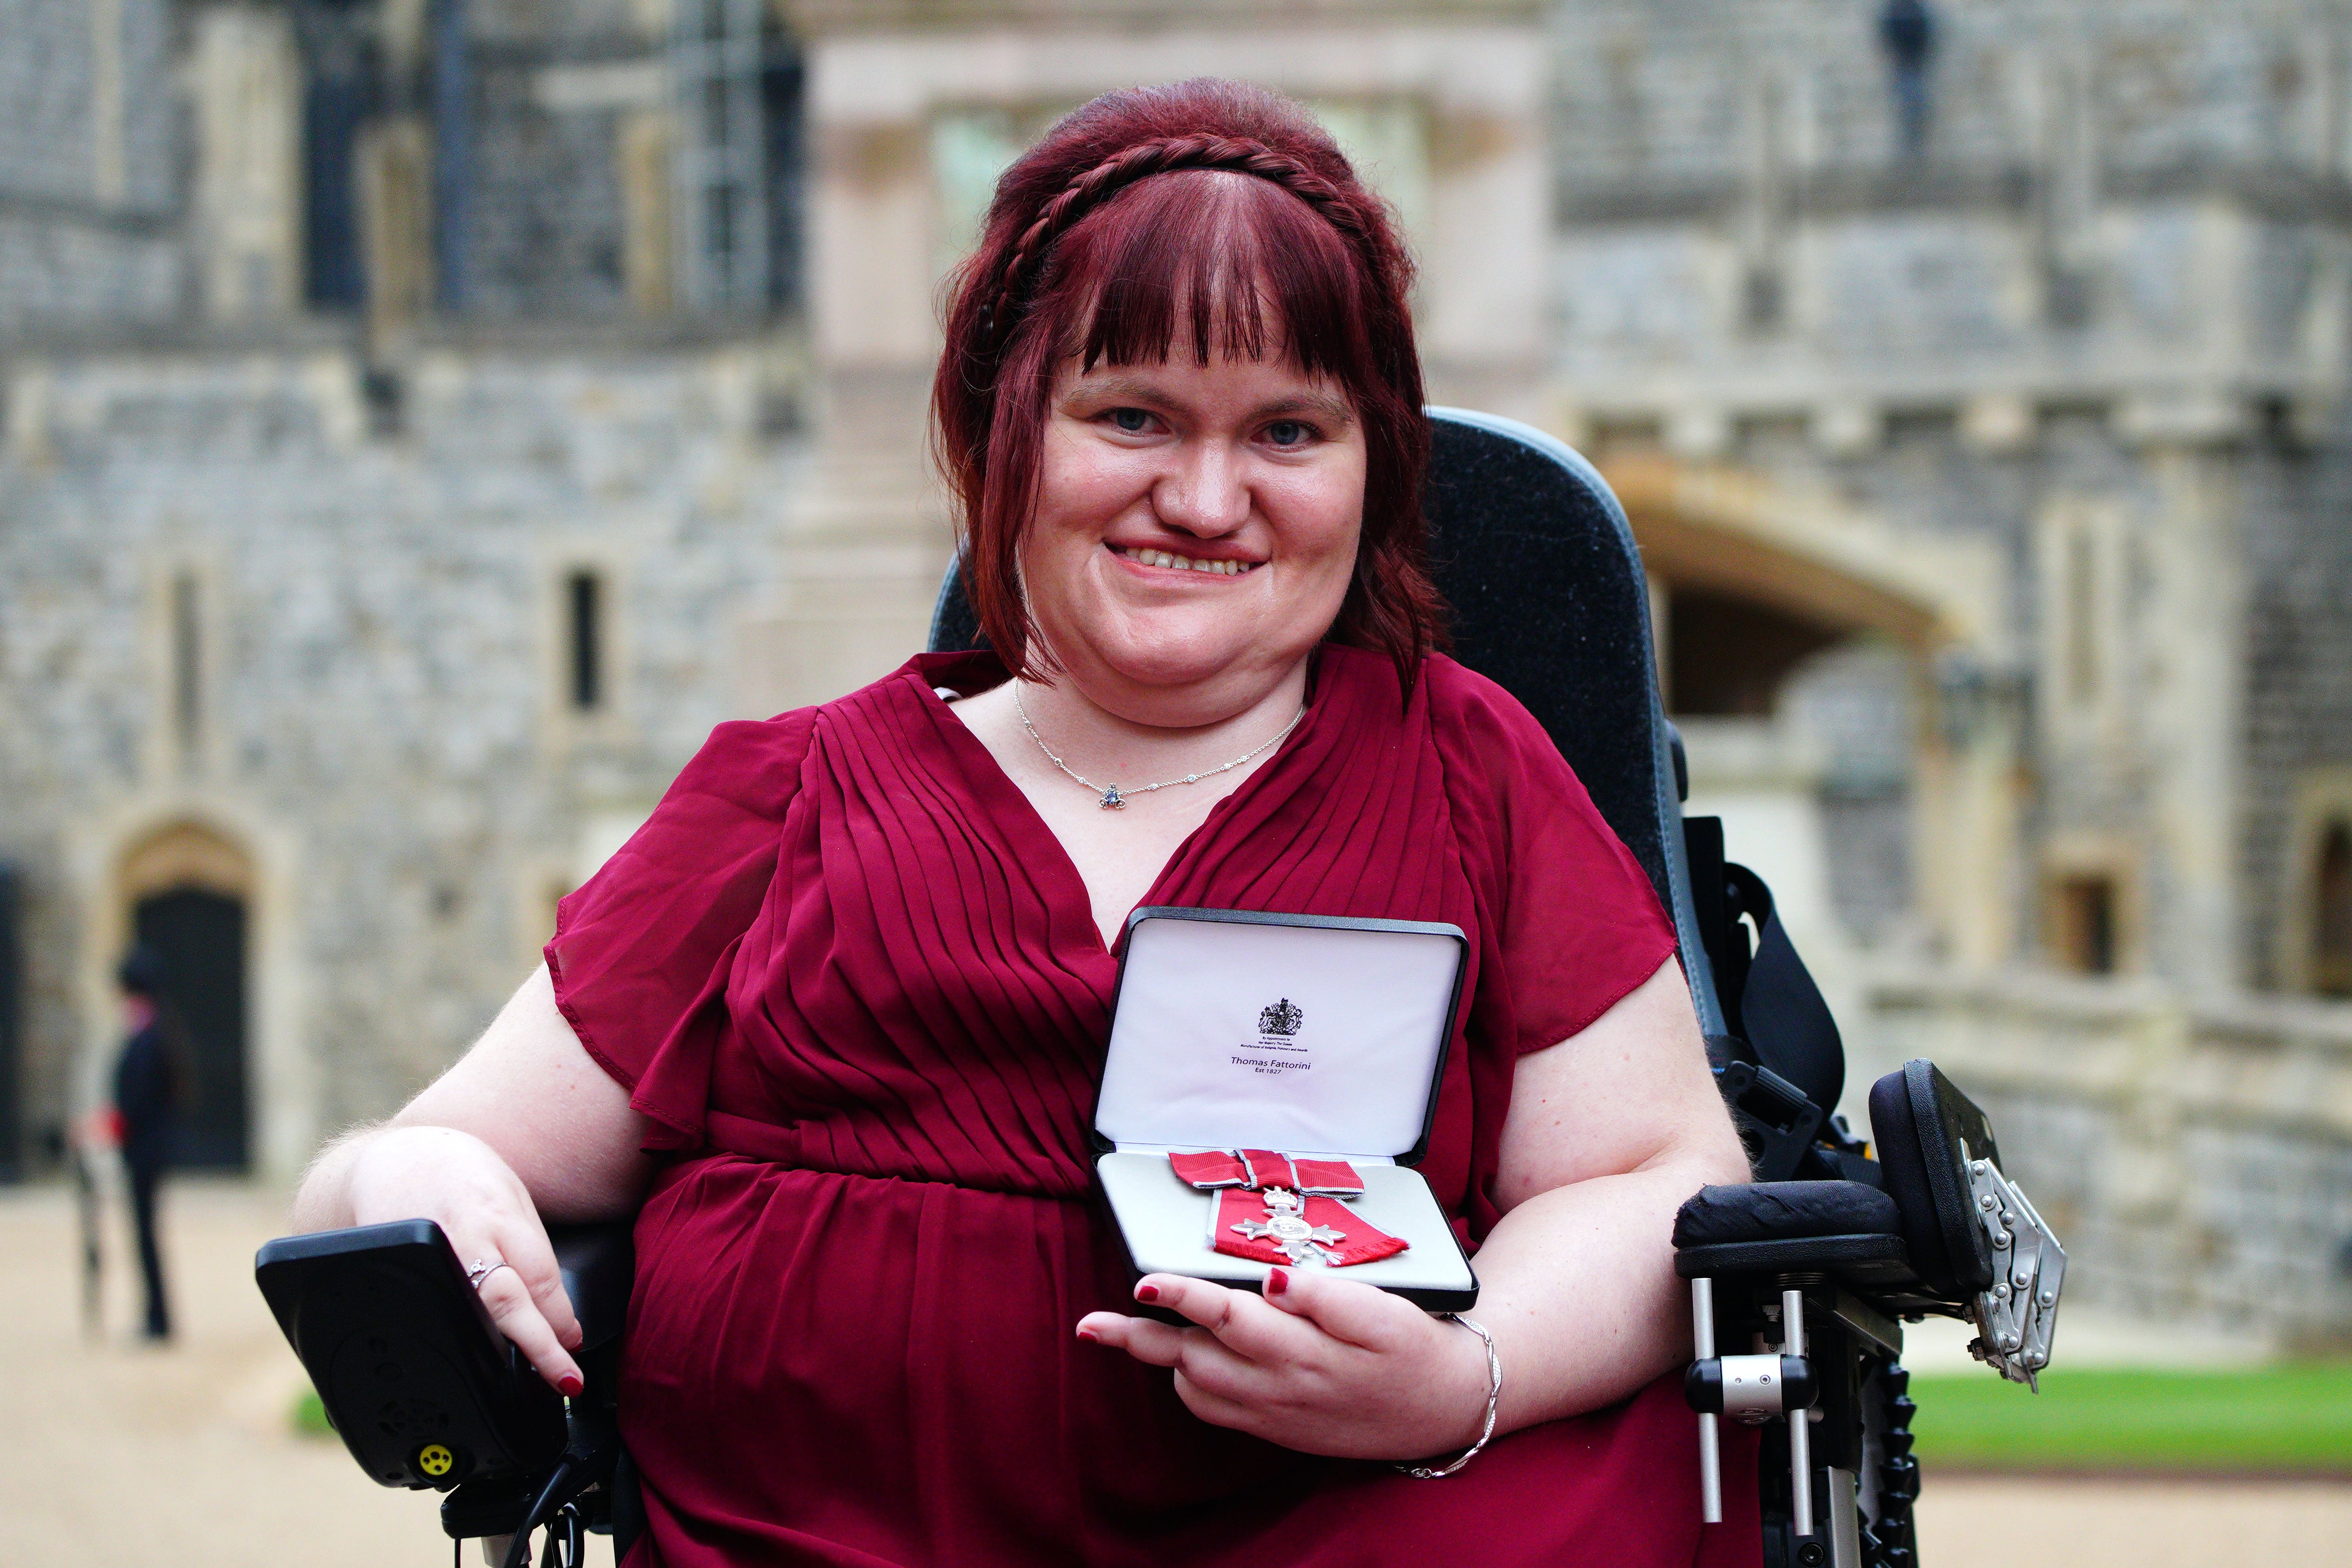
{"x": 461, "y": 1183}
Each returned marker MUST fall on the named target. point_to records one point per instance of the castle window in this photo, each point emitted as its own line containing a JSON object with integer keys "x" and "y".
{"x": 2082, "y": 619}
{"x": 336, "y": 68}
{"x": 584, "y": 610}
{"x": 187, "y": 664}
{"x": 724, "y": 55}
{"x": 2331, "y": 956}
{"x": 2082, "y": 924}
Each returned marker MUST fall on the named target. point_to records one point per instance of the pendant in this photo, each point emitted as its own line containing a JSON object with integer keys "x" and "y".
{"x": 1112, "y": 800}
{"x": 1285, "y": 1227}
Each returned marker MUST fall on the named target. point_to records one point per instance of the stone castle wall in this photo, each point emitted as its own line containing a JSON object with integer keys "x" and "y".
{"x": 88, "y": 179}
{"x": 2196, "y": 1161}
{"x": 385, "y": 714}
{"x": 2106, "y": 297}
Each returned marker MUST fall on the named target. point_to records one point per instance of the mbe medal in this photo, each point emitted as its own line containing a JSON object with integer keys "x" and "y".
{"x": 1269, "y": 1206}
{"x": 1287, "y": 1227}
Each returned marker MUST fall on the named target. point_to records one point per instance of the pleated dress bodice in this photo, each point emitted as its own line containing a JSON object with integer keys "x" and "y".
{"x": 857, "y": 987}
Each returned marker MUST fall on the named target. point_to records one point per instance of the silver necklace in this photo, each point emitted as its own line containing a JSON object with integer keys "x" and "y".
{"x": 1113, "y": 797}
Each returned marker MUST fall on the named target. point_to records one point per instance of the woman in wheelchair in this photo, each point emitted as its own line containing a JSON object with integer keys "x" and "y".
{"x": 831, "y": 1022}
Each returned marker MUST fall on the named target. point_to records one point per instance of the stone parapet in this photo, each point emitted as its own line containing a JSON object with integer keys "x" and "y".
{"x": 819, "y": 18}
{"x": 2194, "y": 1155}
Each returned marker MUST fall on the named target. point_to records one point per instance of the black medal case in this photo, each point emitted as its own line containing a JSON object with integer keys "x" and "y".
{"x": 1316, "y": 1036}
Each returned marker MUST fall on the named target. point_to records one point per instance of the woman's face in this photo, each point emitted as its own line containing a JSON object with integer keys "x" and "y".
{"x": 1195, "y": 533}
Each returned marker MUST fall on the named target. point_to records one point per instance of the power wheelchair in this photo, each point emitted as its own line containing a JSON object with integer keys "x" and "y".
{"x": 1811, "y": 1272}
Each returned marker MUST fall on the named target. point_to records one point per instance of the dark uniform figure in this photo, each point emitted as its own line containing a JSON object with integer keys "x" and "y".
{"x": 1907, "y": 29}
{"x": 147, "y": 1092}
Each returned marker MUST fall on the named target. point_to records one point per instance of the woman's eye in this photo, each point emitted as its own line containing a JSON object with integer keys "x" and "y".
{"x": 1287, "y": 432}
{"x": 1133, "y": 421}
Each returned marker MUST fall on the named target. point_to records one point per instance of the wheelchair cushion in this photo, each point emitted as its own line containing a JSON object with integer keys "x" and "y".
{"x": 1874, "y": 1266}
{"x": 1784, "y": 1210}
{"x": 1844, "y": 1228}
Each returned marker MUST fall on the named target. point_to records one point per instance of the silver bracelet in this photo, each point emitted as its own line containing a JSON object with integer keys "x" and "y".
{"x": 1493, "y": 1403}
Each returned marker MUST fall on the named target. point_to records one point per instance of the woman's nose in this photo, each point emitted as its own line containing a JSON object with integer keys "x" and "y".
{"x": 1207, "y": 494}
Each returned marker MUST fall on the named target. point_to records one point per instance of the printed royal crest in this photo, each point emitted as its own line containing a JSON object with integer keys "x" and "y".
{"x": 1284, "y": 1018}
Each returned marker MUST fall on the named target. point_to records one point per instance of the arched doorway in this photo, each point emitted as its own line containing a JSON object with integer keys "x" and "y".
{"x": 1760, "y": 584}
{"x": 186, "y": 893}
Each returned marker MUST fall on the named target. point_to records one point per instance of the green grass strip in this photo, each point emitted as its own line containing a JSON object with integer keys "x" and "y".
{"x": 2289, "y": 1417}
{"x": 310, "y": 1416}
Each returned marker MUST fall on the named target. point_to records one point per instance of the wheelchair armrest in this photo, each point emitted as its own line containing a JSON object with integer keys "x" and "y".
{"x": 1846, "y": 1229}
{"x": 599, "y": 1265}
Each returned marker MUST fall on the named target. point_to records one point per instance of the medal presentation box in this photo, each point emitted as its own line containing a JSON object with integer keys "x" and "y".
{"x": 1319, "y": 1037}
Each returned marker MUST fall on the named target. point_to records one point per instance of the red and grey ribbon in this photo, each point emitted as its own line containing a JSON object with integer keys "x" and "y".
{"x": 1306, "y": 1223}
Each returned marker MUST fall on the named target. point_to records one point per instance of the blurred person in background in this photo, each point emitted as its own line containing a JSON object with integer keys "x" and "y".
{"x": 151, "y": 1080}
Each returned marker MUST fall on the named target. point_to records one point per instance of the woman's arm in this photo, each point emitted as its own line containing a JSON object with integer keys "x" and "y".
{"x": 525, "y": 1128}
{"x": 1609, "y": 1132}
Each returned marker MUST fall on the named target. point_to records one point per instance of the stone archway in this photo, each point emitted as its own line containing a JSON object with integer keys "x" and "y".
{"x": 1808, "y": 554}
{"x": 185, "y": 891}
{"x": 1804, "y": 563}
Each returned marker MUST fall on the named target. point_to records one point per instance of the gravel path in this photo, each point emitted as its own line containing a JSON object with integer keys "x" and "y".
{"x": 118, "y": 1456}
{"x": 115, "y": 1455}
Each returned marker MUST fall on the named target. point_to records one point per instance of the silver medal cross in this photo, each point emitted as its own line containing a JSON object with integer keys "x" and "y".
{"x": 1285, "y": 1226}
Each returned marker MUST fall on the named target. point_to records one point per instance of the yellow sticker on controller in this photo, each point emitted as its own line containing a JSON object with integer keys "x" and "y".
{"x": 436, "y": 1459}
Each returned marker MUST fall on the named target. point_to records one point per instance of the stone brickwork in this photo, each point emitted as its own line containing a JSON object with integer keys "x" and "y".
{"x": 2196, "y": 1161}
{"x": 2299, "y": 705}
{"x": 86, "y": 117}
{"x": 98, "y": 277}
{"x": 389, "y": 681}
{"x": 88, "y": 179}
{"x": 547, "y": 238}
{"x": 2113, "y": 281}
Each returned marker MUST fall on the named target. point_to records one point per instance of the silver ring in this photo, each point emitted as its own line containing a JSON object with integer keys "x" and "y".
{"x": 482, "y": 1270}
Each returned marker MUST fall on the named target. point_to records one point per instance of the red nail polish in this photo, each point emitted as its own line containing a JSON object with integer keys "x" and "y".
{"x": 1146, "y": 1292}
{"x": 1277, "y": 1280}
{"x": 568, "y": 1387}
{"x": 1090, "y": 1336}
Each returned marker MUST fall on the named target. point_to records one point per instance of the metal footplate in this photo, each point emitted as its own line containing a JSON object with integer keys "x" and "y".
{"x": 2018, "y": 1316}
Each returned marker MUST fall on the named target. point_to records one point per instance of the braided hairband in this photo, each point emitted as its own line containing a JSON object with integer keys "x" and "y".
{"x": 1089, "y": 189}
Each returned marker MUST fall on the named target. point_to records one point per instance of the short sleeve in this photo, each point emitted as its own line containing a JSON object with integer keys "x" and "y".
{"x": 641, "y": 951}
{"x": 1579, "y": 924}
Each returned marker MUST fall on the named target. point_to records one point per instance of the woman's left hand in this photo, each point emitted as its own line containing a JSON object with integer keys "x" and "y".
{"x": 1321, "y": 1365}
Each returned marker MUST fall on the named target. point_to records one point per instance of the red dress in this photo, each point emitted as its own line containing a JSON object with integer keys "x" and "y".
{"x": 857, "y": 984}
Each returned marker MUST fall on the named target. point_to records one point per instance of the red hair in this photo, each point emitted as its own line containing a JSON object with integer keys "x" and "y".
{"x": 1223, "y": 210}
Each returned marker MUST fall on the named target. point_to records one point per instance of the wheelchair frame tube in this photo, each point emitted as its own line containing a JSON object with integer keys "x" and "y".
{"x": 1710, "y": 1450}
{"x": 1800, "y": 1421}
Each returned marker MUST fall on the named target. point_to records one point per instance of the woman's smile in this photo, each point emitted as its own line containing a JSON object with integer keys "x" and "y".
{"x": 1160, "y": 561}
